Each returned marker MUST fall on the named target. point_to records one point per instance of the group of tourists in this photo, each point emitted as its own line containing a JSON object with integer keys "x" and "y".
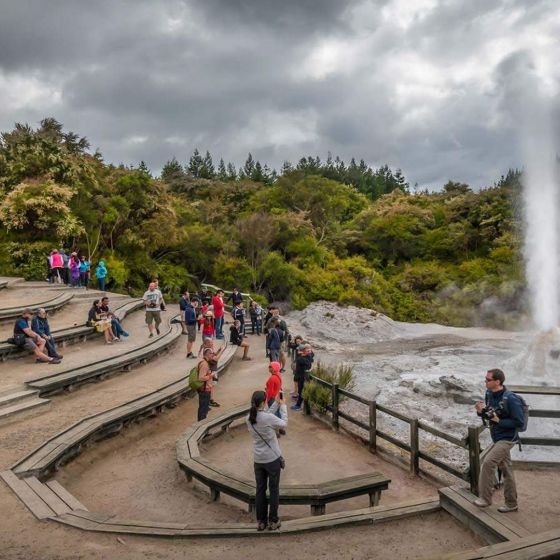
{"x": 105, "y": 321}
{"x": 73, "y": 270}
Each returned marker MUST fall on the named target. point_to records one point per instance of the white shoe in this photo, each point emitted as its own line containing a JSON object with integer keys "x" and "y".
{"x": 479, "y": 502}
{"x": 507, "y": 509}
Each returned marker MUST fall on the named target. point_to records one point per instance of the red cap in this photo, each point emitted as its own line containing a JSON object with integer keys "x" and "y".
{"x": 275, "y": 366}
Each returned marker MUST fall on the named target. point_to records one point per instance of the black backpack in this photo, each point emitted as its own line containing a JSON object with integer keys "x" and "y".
{"x": 524, "y": 407}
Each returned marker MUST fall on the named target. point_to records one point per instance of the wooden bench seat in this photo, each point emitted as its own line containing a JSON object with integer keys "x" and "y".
{"x": 70, "y": 334}
{"x": 219, "y": 480}
{"x": 53, "y": 304}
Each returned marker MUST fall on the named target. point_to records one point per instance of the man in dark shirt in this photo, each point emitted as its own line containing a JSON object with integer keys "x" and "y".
{"x": 504, "y": 412}
{"x": 116, "y": 326}
{"x": 236, "y": 338}
{"x": 24, "y": 337}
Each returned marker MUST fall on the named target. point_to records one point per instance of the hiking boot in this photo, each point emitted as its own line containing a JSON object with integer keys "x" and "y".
{"x": 507, "y": 509}
{"x": 214, "y": 404}
{"x": 274, "y": 525}
{"x": 261, "y": 526}
{"x": 479, "y": 502}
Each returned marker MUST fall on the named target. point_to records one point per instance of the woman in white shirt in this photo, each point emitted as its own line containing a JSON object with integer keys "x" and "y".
{"x": 268, "y": 460}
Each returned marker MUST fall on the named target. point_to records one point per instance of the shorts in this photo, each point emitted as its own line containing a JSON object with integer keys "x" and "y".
{"x": 191, "y": 332}
{"x": 274, "y": 355}
{"x": 153, "y": 317}
{"x": 29, "y": 344}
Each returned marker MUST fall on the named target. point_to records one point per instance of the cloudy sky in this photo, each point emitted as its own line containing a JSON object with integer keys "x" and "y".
{"x": 430, "y": 86}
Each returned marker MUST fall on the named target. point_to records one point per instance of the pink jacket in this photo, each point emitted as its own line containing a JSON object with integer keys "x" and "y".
{"x": 56, "y": 260}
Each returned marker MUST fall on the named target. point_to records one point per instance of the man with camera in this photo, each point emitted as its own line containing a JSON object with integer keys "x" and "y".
{"x": 503, "y": 412}
{"x": 153, "y": 300}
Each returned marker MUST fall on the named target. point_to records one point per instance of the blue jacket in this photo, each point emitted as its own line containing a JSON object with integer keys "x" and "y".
{"x": 190, "y": 313}
{"x": 273, "y": 341}
{"x": 40, "y": 326}
{"x": 510, "y": 412}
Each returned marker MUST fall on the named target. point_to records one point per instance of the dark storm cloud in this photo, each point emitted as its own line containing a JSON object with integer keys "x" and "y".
{"x": 422, "y": 85}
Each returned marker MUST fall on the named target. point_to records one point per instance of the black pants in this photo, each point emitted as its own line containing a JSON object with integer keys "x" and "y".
{"x": 203, "y": 404}
{"x": 267, "y": 474}
{"x": 300, "y": 384}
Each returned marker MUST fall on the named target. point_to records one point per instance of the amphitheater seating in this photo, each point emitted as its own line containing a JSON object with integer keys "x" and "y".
{"x": 219, "y": 480}
{"x": 70, "y": 334}
{"x": 53, "y": 304}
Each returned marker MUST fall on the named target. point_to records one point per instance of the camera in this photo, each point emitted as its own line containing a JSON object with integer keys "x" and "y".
{"x": 488, "y": 412}
{"x": 152, "y": 304}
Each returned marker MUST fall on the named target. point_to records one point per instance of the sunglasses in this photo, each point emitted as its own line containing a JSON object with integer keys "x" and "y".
{"x": 488, "y": 380}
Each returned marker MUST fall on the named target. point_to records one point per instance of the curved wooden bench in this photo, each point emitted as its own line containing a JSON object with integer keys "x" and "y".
{"x": 65, "y": 445}
{"x": 3, "y": 284}
{"x": 70, "y": 334}
{"x": 219, "y": 480}
{"x": 49, "y": 384}
{"x": 50, "y": 305}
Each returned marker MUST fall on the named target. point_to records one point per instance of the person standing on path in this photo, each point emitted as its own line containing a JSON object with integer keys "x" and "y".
{"x": 101, "y": 274}
{"x": 183, "y": 301}
{"x": 74, "y": 266}
{"x": 268, "y": 462}
{"x": 84, "y": 272}
{"x": 153, "y": 301}
{"x": 56, "y": 264}
{"x": 190, "y": 325}
{"x": 304, "y": 362}
{"x": 218, "y": 312}
{"x": 505, "y": 416}
{"x": 205, "y": 392}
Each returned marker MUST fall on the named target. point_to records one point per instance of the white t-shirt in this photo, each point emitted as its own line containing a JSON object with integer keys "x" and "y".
{"x": 154, "y": 297}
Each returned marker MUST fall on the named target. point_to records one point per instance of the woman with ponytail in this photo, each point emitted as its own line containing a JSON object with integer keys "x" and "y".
{"x": 262, "y": 425}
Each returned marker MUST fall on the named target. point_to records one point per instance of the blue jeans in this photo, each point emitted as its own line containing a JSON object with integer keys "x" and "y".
{"x": 203, "y": 404}
{"x": 117, "y": 328}
{"x": 219, "y": 324}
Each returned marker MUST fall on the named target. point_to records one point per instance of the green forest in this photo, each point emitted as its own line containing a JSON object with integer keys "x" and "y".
{"x": 314, "y": 230}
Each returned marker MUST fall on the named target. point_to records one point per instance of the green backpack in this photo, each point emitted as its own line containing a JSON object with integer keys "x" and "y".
{"x": 194, "y": 383}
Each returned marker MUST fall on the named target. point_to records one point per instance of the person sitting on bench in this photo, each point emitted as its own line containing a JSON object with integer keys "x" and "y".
{"x": 24, "y": 337}
{"x": 40, "y": 325}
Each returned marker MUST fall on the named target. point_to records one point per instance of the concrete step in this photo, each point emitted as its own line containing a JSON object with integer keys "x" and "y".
{"x": 23, "y": 409}
{"x": 16, "y": 396}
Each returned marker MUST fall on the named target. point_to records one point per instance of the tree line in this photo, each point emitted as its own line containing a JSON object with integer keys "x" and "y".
{"x": 314, "y": 230}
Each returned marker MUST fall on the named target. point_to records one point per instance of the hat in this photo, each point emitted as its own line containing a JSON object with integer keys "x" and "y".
{"x": 275, "y": 367}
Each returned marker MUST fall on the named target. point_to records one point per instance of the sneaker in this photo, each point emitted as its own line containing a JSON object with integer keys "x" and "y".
{"x": 157, "y": 330}
{"x": 124, "y": 333}
{"x": 54, "y": 361}
{"x": 479, "y": 502}
{"x": 507, "y": 509}
{"x": 261, "y": 526}
{"x": 116, "y": 339}
{"x": 151, "y": 335}
{"x": 214, "y": 404}
{"x": 274, "y": 525}
{"x": 191, "y": 355}
{"x": 295, "y": 407}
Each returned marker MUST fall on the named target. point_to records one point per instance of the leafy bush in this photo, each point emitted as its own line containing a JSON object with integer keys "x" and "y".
{"x": 317, "y": 394}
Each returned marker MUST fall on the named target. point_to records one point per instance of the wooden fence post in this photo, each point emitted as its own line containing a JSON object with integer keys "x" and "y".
{"x": 414, "y": 447}
{"x": 372, "y": 427}
{"x": 474, "y": 458}
{"x": 334, "y": 389}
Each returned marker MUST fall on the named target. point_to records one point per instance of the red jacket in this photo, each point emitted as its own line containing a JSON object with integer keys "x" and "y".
{"x": 273, "y": 386}
{"x": 218, "y": 305}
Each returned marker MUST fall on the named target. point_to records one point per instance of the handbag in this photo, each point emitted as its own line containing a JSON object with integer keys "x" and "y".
{"x": 282, "y": 460}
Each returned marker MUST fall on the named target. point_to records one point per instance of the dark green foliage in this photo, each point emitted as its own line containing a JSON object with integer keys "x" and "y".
{"x": 345, "y": 233}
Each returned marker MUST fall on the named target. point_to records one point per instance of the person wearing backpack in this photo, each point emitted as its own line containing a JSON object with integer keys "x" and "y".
{"x": 506, "y": 414}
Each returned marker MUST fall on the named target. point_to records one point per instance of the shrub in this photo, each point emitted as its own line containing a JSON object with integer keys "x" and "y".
{"x": 317, "y": 394}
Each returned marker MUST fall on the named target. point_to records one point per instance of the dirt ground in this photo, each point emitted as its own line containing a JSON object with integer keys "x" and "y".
{"x": 136, "y": 475}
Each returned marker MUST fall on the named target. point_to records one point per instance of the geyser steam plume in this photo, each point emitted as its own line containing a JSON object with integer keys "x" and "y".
{"x": 541, "y": 203}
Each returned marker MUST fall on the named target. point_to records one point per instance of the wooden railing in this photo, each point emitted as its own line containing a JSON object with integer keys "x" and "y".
{"x": 539, "y": 413}
{"x": 470, "y": 442}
